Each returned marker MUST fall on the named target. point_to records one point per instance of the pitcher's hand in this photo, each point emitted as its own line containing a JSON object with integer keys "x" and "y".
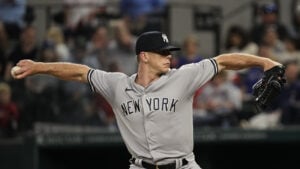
{"x": 26, "y": 68}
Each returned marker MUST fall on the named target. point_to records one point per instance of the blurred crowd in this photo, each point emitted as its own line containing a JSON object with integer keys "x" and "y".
{"x": 88, "y": 35}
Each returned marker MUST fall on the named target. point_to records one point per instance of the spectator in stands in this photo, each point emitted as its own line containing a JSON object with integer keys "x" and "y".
{"x": 122, "y": 49}
{"x": 26, "y": 48}
{"x": 289, "y": 100}
{"x": 11, "y": 15}
{"x": 79, "y": 18}
{"x": 295, "y": 16}
{"x": 269, "y": 17}
{"x": 218, "y": 103}
{"x": 271, "y": 39}
{"x": 292, "y": 46}
{"x": 140, "y": 14}
{"x": 3, "y": 50}
{"x": 190, "y": 52}
{"x": 55, "y": 35}
{"x": 237, "y": 40}
{"x": 9, "y": 114}
{"x": 97, "y": 48}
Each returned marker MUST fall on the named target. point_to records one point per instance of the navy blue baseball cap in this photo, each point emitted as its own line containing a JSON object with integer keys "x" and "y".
{"x": 153, "y": 41}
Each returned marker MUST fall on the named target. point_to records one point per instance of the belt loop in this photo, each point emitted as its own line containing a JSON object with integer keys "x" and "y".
{"x": 139, "y": 162}
{"x": 178, "y": 163}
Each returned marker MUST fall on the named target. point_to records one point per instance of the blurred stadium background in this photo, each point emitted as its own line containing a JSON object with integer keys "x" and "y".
{"x": 49, "y": 124}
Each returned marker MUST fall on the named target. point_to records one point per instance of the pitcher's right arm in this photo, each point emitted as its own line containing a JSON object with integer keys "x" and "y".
{"x": 62, "y": 70}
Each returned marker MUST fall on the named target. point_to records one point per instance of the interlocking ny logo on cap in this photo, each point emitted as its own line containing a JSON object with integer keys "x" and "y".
{"x": 165, "y": 38}
{"x": 153, "y": 41}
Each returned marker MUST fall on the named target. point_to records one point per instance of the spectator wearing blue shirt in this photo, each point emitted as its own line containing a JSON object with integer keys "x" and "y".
{"x": 289, "y": 99}
{"x": 137, "y": 8}
{"x": 140, "y": 14}
{"x": 12, "y": 16}
{"x": 190, "y": 52}
{"x": 268, "y": 17}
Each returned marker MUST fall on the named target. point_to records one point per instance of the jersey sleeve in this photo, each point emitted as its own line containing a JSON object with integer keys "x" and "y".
{"x": 103, "y": 82}
{"x": 197, "y": 74}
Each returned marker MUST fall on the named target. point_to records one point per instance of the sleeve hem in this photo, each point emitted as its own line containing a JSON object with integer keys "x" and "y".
{"x": 89, "y": 78}
{"x": 215, "y": 65}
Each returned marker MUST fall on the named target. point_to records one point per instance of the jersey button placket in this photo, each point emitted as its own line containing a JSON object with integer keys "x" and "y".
{"x": 147, "y": 127}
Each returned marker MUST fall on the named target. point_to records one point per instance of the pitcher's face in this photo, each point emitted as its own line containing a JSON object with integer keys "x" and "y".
{"x": 160, "y": 62}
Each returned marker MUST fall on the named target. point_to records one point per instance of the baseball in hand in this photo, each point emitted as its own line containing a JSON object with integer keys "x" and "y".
{"x": 13, "y": 71}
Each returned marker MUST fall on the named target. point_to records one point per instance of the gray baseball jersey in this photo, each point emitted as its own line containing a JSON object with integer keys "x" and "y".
{"x": 155, "y": 122}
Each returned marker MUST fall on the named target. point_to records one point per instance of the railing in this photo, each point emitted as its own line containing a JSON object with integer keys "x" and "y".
{"x": 61, "y": 135}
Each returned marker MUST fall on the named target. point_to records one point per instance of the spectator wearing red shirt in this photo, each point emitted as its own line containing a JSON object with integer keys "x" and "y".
{"x": 9, "y": 114}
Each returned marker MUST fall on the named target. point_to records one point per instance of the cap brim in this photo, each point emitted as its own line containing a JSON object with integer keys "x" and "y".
{"x": 171, "y": 48}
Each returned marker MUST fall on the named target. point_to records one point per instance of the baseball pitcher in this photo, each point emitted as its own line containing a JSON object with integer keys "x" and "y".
{"x": 153, "y": 107}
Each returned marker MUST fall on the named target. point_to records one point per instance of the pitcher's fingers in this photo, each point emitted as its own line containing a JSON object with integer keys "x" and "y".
{"x": 20, "y": 75}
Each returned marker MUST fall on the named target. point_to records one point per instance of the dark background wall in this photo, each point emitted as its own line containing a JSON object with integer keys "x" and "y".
{"x": 251, "y": 150}
{"x": 209, "y": 156}
{"x": 214, "y": 155}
